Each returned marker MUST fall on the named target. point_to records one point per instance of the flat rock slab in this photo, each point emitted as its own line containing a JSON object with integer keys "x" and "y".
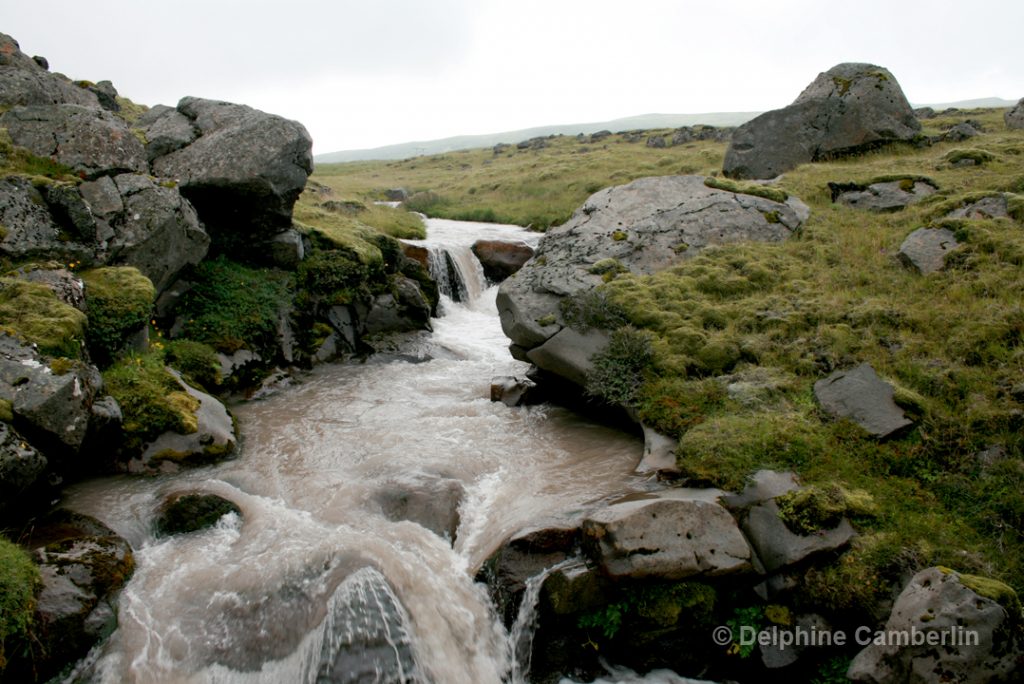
{"x": 863, "y": 397}
{"x": 778, "y": 547}
{"x": 926, "y": 249}
{"x": 668, "y": 538}
{"x": 995, "y": 206}
{"x": 882, "y": 197}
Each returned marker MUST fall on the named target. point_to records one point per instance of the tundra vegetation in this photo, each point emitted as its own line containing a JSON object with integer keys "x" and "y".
{"x": 948, "y": 492}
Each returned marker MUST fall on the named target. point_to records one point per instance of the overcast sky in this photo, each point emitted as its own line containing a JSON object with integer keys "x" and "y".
{"x": 366, "y": 73}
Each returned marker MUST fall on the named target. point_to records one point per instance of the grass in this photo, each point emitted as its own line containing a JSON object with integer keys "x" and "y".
{"x": 952, "y": 343}
{"x": 16, "y": 160}
{"x": 19, "y": 580}
{"x": 536, "y": 188}
{"x": 33, "y": 313}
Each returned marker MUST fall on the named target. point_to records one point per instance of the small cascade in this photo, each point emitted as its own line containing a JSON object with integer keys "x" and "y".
{"x": 456, "y": 271}
{"x": 521, "y": 635}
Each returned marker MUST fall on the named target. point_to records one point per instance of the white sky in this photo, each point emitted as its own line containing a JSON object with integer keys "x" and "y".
{"x": 366, "y": 73}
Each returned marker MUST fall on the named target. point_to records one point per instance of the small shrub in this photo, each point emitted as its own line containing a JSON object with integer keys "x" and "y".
{"x": 33, "y": 312}
{"x": 618, "y": 370}
{"x": 120, "y": 300}
{"x": 19, "y": 580}
{"x": 592, "y": 309}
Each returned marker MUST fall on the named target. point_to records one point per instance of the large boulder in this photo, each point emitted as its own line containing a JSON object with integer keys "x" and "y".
{"x": 25, "y": 81}
{"x": 21, "y": 466}
{"x": 946, "y": 627}
{"x": 52, "y": 408}
{"x": 127, "y": 219}
{"x": 1014, "y": 117}
{"x": 83, "y": 565}
{"x": 671, "y": 535}
{"x": 501, "y": 258}
{"x": 92, "y": 142}
{"x": 845, "y": 110}
{"x": 645, "y": 226}
{"x": 243, "y": 172}
{"x": 777, "y": 546}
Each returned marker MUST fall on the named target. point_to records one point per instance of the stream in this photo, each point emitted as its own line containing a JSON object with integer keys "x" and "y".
{"x": 254, "y": 598}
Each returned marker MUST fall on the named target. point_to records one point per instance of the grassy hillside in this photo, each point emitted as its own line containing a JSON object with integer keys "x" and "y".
{"x": 782, "y": 316}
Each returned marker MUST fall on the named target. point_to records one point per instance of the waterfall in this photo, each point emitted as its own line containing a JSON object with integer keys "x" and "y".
{"x": 457, "y": 272}
{"x": 523, "y": 630}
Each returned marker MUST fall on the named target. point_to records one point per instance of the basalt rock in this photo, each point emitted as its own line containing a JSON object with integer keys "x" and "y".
{"x": 501, "y": 258}
{"x": 861, "y": 396}
{"x": 243, "y": 172}
{"x": 844, "y": 111}
{"x": 27, "y": 81}
{"x": 884, "y": 196}
{"x": 191, "y": 512}
{"x": 643, "y": 227}
{"x": 430, "y": 501}
{"x": 21, "y": 467}
{"x": 92, "y": 142}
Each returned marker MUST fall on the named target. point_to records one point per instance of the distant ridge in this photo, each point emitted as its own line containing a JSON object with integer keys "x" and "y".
{"x": 640, "y": 122}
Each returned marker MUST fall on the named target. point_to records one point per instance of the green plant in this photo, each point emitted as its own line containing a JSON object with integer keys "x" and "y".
{"x": 742, "y": 621}
{"x": 747, "y": 188}
{"x": 607, "y": 619}
{"x": 592, "y": 309}
{"x": 618, "y": 370}
{"x": 120, "y": 300}
{"x": 19, "y": 581}
{"x": 196, "y": 361}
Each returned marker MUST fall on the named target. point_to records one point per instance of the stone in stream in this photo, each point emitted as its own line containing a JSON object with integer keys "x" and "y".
{"x": 367, "y": 636}
{"x": 428, "y": 500}
{"x": 501, "y": 258}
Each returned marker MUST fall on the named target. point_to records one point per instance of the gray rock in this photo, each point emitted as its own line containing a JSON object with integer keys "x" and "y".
{"x": 243, "y": 172}
{"x": 232, "y": 363}
{"x": 396, "y": 195}
{"x": 367, "y": 636}
{"x": 764, "y": 486}
{"x": 645, "y": 226}
{"x": 405, "y": 311}
{"x": 573, "y": 589}
{"x": 568, "y": 353}
{"x": 501, "y": 258}
{"x": 92, "y": 142}
{"x": 960, "y": 132}
{"x": 513, "y": 391}
{"x": 926, "y": 249}
{"x": 187, "y": 512}
{"x": 52, "y": 410}
{"x": 213, "y": 439}
{"x": 666, "y": 536}
{"x": 1014, "y": 116}
{"x": 21, "y": 466}
{"x": 941, "y": 609}
{"x": 31, "y": 232}
{"x": 778, "y": 547}
{"x": 83, "y": 564}
{"x": 861, "y": 396}
{"x": 427, "y": 500}
{"x": 659, "y": 452}
{"x": 988, "y": 207}
{"x": 286, "y": 250}
{"x": 166, "y": 130}
{"x": 882, "y": 197}
{"x": 25, "y": 81}
{"x": 106, "y": 94}
{"x": 68, "y": 287}
{"x": 849, "y": 108}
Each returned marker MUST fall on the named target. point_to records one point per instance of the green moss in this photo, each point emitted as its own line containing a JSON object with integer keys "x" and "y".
{"x": 151, "y": 399}
{"x": 619, "y": 235}
{"x": 120, "y": 300}
{"x": 19, "y": 581}
{"x": 6, "y": 411}
{"x": 607, "y": 267}
{"x": 842, "y": 84}
{"x": 18, "y": 160}
{"x": 958, "y": 155}
{"x": 232, "y": 306}
{"x": 822, "y": 507}
{"x": 197, "y": 362}
{"x": 129, "y": 111}
{"x": 673, "y": 405}
{"x": 33, "y": 312}
{"x": 746, "y": 188}
{"x": 61, "y": 365}
{"x": 545, "y": 321}
{"x": 992, "y": 589}
{"x": 333, "y": 275}
{"x": 726, "y": 449}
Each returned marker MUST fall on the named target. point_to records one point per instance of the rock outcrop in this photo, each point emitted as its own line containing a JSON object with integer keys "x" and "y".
{"x": 243, "y": 170}
{"x": 845, "y": 110}
{"x": 501, "y": 258}
{"x": 882, "y": 196}
{"x": 24, "y": 81}
{"x": 926, "y": 249}
{"x": 643, "y": 227}
{"x": 947, "y": 627}
{"x": 1014, "y": 117}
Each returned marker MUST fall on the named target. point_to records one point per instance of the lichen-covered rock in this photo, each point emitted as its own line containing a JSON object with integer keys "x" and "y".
{"x": 53, "y": 409}
{"x": 83, "y": 565}
{"x": 994, "y": 206}
{"x": 669, "y": 535}
{"x": 926, "y": 249}
{"x": 166, "y": 130}
{"x": 25, "y": 81}
{"x": 845, "y": 110}
{"x": 643, "y": 227}
{"x": 31, "y": 232}
{"x": 861, "y": 396}
{"x": 243, "y": 172}
{"x": 92, "y": 142}
{"x": 883, "y": 196}
{"x": 192, "y": 511}
{"x": 947, "y": 627}
{"x": 1014, "y": 116}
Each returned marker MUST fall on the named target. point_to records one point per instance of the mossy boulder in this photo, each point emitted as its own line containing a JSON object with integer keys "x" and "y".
{"x": 32, "y": 312}
{"x": 120, "y": 300}
{"x": 191, "y": 512}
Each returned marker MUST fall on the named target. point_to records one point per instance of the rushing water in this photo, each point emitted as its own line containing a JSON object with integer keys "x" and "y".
{"x": 248, "y": 600}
